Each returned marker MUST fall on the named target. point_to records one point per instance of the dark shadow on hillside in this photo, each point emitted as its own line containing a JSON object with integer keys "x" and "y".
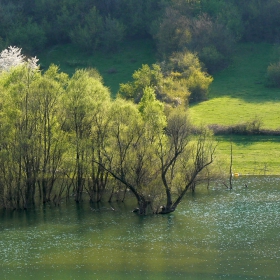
{"x": 248, "y": 140}
{"x": 245, "y": 77}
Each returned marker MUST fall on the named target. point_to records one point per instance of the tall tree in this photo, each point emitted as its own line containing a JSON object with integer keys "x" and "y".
{"x": 49, "y": 89}
{"x": 183, "y": 158}
{"x": 85, "y": 93}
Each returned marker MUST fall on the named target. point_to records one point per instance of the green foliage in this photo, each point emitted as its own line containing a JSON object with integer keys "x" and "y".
{"x": 209, "y": 33}
{"x": 198, "y": 83}
{"x": 175, "y": 25}
{"x": 152, "y": 111}
{"x": 201, "y": 34}
{"x": 113, "y": 34}
{"x": 226, "y": 13}
{"x": 144, "y": 77}
{"x": 87, "y": 34}
{"x": 168, "y": 89}
{"x": 174, "y": 81}
{"x": 173, "y": 33}
{"x": 260, "y": 20}
{"x": 273, "y": 75}
{"x": 186, "y": 66}
{"x": 58, "y": 29}
{"x": 29, "y": 36}
{"x": 212, "y": 58}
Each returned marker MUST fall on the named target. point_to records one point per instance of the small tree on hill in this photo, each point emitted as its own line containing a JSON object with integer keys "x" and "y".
{"x": 273, "y": 75}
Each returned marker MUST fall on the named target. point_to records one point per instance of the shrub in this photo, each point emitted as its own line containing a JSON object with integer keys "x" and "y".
{"x": 186, "y": 66}
{"x": 198, "y": 84}
{"x": 212, "y": 58}
{"x": 273, "y": 75}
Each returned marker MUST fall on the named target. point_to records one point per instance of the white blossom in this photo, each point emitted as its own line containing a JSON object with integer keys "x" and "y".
{"x": 32, "y": 62}
{"x": 12, "y": 57}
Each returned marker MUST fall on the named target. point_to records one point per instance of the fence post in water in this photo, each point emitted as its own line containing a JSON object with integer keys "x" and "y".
{"x": 230, "y": 167}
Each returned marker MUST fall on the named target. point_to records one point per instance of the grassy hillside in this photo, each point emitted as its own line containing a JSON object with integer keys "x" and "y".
{"x": 238, "y": 93}
{"x": 115, "y": 68}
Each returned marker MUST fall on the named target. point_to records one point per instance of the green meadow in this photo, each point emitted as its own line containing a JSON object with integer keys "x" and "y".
{"x": 237, "y": 95}
{"x": 252, "y": 155}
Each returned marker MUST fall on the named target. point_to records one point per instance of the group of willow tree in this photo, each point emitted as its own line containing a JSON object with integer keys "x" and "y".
{"x": 207, "y": 27}
{"x": 64, "y": 136}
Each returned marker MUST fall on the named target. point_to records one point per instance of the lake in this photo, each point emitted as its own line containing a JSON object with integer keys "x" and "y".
{"x": 214, "y": 234}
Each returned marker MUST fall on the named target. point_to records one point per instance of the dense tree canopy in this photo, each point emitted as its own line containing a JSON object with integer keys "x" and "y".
{"x": 63, "y": 136}
{"x": 208, "y": 27}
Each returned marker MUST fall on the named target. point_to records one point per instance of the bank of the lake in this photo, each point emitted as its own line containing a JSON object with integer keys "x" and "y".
{"x": 252, "y": 155}
{"x": 238, "y": 95}
{"x": 214, "y": 234}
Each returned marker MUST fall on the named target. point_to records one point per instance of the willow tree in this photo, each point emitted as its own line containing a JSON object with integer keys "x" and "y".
{"x": 183, "y": 158}
{"x": 157, "y": 158}
{"x": 123, "y": 163}
{"x": 129, "y": 149}
{"x": 100, "y": 130}
{"x": 85, "y": 95}
{"x": 20, "y": 112}
{"x": 49, "y": 90}
{"x": 31, "y": 146}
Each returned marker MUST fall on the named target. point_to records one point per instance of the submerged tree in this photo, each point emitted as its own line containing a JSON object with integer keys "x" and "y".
{"x": 56, "y": 129}
{"x": 85, "y": 95}
{"x": 157, "y": 159}
{"x": 183, "y": 156}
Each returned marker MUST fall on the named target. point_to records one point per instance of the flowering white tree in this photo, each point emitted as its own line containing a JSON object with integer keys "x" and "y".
{"x": 12, "y": 57}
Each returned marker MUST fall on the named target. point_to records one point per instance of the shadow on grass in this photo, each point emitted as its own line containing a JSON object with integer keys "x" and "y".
{"x": 245, "y": 78}
{"x": 115, "y": 67}
{"x": 243, "y": 140}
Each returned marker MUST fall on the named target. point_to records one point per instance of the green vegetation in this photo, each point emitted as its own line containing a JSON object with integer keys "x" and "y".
{"x": 57, "y": 128}
{"x": 115, "y": 68}
{"x": 124, "y": 112}
{"x": 253, "y": 155}
{"x": 238, "y": 94}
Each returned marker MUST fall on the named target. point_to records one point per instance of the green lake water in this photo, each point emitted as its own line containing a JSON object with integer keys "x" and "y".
{"x": 214, "y": 234}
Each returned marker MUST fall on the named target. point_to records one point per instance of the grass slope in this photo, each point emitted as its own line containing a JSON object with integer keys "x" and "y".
{"x": 115, "y": 68}
{"x": 252, "y": 155}
{"x": 238, "y": 93}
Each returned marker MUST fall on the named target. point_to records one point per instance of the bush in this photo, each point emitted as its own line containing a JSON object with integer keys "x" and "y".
{"x": 198, "y": 84}
{"x": 212, "y": 58}
{"x": 273, "y": 75}
{"x": 186, "y": 66}
{"x": 251, "y": 127}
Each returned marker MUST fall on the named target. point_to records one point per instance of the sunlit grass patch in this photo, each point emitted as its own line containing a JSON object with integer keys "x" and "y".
{"x": 238, "y": 94}
{"x": 254, "y": 155}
